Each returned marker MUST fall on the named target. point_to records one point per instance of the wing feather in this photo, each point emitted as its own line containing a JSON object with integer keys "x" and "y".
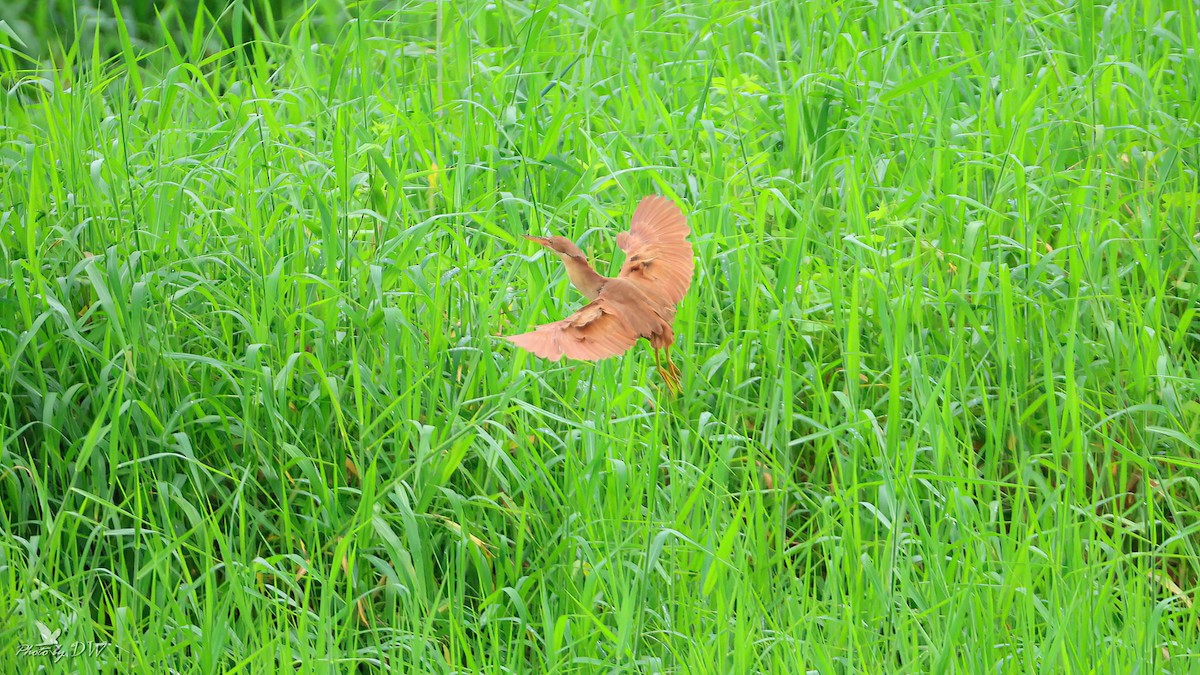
{"x": 597, "y": 331}
{"x": 658, "y": 254}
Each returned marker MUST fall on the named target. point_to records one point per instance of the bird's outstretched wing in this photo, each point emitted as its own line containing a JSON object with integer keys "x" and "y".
{"x": 659, "y": 256}
{"x": 607, "y": 326}
{"x": 597, "y": 331}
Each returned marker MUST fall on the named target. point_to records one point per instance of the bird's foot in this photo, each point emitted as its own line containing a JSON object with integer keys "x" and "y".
{"x": 670, "y": 377}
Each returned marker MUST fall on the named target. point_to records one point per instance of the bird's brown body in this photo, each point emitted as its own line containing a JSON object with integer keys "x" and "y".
{"x": 638, "y": 303}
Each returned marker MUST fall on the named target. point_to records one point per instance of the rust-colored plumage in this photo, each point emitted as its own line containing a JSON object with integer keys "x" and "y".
{"x": 638, "y": 303}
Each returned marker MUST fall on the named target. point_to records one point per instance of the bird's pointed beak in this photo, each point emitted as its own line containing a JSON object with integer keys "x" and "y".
{"x": 544, "y": 241}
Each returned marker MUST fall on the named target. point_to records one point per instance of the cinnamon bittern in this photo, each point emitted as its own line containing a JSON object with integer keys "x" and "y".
{"x": 637, "y": 303}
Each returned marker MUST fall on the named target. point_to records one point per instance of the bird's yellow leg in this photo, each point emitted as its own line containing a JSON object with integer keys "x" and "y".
{"x": 658, "y": 364}
{"x": 669, "y": 375}
{"x": 674, "y": 368}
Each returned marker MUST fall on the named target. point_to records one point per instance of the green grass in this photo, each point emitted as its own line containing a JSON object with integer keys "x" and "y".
{"x": 941, "y": 354}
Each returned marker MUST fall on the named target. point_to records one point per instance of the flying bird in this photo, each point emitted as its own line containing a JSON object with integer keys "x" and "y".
{"x": 637, "y": 303}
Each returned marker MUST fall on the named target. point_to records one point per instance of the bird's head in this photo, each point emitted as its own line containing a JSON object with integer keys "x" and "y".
{"x": 561, "y": 246}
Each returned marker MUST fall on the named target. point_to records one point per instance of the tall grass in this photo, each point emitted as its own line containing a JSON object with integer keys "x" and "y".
{"x": 941, "y": 356}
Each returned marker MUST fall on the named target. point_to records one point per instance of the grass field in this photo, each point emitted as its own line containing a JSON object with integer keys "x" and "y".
{"x": 941, "y": 356}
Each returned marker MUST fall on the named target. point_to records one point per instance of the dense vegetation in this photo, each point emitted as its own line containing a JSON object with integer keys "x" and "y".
{"x": 941, "y": 357}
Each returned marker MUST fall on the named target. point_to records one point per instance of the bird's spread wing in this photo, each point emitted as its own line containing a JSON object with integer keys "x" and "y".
{"x": 659, "y": 256}
{"x": 607, "y": 326}
{"x": 597, "y": 331}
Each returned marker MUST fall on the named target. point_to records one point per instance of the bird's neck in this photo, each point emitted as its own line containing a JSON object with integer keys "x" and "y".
{"x": 587, "y": 280}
